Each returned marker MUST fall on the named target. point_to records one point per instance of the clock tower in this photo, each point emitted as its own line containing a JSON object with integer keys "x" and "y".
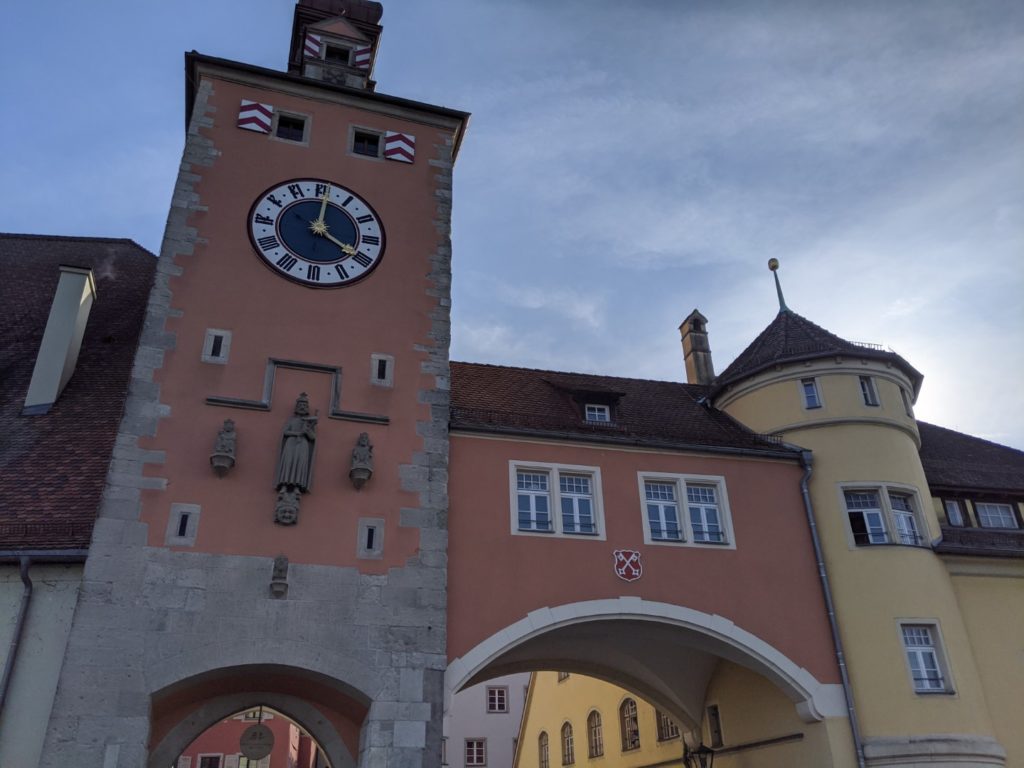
{"x": 274, "y": 526}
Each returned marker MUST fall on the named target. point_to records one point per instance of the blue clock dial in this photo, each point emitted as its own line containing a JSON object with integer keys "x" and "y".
{"x": 316, "y": 232}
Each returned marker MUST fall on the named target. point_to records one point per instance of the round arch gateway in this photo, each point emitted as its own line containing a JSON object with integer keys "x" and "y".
{"x": 329, "y": 711}
{"x": 664, "y": 652}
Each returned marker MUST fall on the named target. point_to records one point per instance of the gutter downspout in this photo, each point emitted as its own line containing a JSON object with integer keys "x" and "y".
{"x": 12, "y": 654}
{"x": 806, "y": 460}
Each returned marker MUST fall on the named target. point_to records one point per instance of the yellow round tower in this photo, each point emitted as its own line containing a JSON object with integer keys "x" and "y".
{"x": 913, "y": 677}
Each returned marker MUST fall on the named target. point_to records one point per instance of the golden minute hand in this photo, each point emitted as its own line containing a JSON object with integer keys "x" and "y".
{"x": 323, "y": 202}
{"x": 345, "y": 247}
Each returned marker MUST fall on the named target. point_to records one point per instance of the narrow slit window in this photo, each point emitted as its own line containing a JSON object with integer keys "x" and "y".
{"x": 382, "y": 370}
{"x": 812, "y": 398}
{"x": 216, "y": 346}
{"x": 371, "y": 534}
{"x": 183, "y": 525}
{"x": 715, "y": 726}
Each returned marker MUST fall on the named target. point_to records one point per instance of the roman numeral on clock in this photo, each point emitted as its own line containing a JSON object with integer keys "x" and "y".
{"x": 346, "y": 201}
{"x": 286, "y": 262}
{"x": 363, "y": 259}
{"x": 371, "y": 240}
{"x": 342, "y": 272}
{"x": 364, "y": 219}
{"x": 296, "y": 190}
{"x": 269, "y": 243}
{"x": 313, "y": 272}
{"x": 261, "y": 219}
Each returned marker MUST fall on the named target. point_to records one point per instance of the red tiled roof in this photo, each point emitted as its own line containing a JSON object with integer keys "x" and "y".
{"x": 954, "y": 460}
{"x": 53, "y": 467}
{"x": 792, "y": 338}
{"x": 495, "y": 398}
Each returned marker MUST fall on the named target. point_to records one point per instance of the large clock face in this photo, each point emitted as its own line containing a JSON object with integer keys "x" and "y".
{"x": 316, "y": 232}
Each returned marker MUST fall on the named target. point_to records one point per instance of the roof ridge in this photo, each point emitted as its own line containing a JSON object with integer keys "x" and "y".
{"x": 972, "y": 437}
{"x": 576, "y": 373}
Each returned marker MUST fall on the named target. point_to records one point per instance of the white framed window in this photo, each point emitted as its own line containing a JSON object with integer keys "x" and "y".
{"x": 594, "y": 412}
{"x": 595, "y": 735}
{"x": 543, "y": 760}
{"x": 811, "y": 393}
{"x": 382, "y": 370}
{"x": 667, "y": 728}
{"x": 995, "y": 515}
{"x": 884, "y": 515}
{"x": 868, "y": 391}
{"x": 248, "y": 762}
{"x": 210, "y": 760}
{"x": 476, "y": 751}
{"x": 556, "y": 499}
{"x": 685, "y": 509}
{"x": 629, "y": 725}
{"x": 954, "y": 513}
{"x": 926, "y": 661}
{"x": 497, "y": 698}
{"x": 568, "y": 746}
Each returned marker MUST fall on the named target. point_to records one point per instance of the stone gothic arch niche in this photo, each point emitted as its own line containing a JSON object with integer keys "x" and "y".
{"x": 665, "y": 653}
{"x": 331, "y": 712}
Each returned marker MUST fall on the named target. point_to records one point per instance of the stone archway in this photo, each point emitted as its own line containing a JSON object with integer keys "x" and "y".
{"x": 214, "y": 710}
{"x": 664, "y": 652}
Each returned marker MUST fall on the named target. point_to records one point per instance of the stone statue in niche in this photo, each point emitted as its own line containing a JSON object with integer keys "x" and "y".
{"x": 223, "y": 457}
{"x": 279, "y": 578}
{"x": 286, "y": 511}
{"x": 295, "y": 466}
{"x": 362, "y": 461}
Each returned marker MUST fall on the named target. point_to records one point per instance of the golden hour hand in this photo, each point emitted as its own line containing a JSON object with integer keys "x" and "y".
{"x": 345, "y": 247}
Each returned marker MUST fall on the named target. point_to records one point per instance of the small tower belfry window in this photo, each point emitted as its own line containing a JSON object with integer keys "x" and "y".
{"x": 365, "y": 142}
{"x": 337, "y": 54}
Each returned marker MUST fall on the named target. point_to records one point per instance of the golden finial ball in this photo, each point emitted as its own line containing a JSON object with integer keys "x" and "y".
{"x": 773, "y": 264}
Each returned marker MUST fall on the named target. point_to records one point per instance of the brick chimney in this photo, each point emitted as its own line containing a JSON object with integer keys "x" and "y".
{"x": 696, "y": 350}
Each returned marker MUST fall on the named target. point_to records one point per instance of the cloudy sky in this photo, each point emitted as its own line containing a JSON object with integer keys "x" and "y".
{"x": 626, "y": 162}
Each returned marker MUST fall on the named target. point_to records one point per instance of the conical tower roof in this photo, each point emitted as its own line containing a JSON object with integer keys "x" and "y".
{"x": 792, "y": 338}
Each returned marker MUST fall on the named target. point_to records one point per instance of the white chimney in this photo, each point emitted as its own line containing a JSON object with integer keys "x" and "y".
{"x": 62, "y": 339}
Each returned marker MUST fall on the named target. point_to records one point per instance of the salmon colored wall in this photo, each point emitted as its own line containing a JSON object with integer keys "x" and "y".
{"x": 223, "y": 738}
{"x": 779, "y": 599}
{"x": 225, "y": 285}
{"x": 345, "y": 714}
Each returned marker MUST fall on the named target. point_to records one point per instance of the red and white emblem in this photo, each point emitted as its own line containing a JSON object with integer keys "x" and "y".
{"x": 399, "y": 146}
{"x": 627, "y": 564}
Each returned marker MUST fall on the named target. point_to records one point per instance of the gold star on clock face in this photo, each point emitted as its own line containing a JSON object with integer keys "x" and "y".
{"x": 318, "y": 227}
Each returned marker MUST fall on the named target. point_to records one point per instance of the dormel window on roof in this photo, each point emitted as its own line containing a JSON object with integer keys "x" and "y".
{"x": 597, "y": 413}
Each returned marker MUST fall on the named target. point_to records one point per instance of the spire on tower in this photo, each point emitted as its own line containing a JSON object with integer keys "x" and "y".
{"x": 773, "y": 265}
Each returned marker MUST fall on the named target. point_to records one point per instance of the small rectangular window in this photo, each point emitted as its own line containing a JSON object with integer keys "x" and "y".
{"x": 995, "y": 515}
{"x": 601, "y": 414}
{"x": 497, "y": 699}
{"x": 370, "y": 538}
{"x": 812, "y": 398}
{"x": 715, "y": 726}
{"x": 290, "y": 127}
{"x": 868, "y": 391}
{"x": 954, "y": 513}
{"x": 924, "y": 658}
{"x": 182, "y": 525}
{"x": 476, "y": 751}
{"x": 336, "y": 54}
{"x": 366, "y": 143}
{"x": 216, "y": 346}
{"x": 382, "y": 370}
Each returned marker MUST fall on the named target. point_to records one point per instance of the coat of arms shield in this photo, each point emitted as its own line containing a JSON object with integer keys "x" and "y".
{"x": 627, "y": 564}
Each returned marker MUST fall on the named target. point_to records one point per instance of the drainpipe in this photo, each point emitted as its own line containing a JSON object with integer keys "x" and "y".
{"x": 12, "y": 654}
{"x": 806, "y": 460}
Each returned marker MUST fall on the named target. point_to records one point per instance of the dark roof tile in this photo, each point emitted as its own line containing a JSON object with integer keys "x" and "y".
{"x": 53, "y": 467}
{"x": 663, "y": 413}
{"x": 954, "y": 460}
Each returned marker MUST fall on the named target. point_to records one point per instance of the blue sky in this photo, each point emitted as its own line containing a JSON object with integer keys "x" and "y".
{"x": 626, "y": 162}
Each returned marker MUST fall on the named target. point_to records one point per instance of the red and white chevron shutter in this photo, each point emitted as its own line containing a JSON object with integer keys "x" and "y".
{"x": 254, "y": 116}
{"x": 311, "y": 49}
{"x": 399, "y": 146}
{"x": 361, "y": 58}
